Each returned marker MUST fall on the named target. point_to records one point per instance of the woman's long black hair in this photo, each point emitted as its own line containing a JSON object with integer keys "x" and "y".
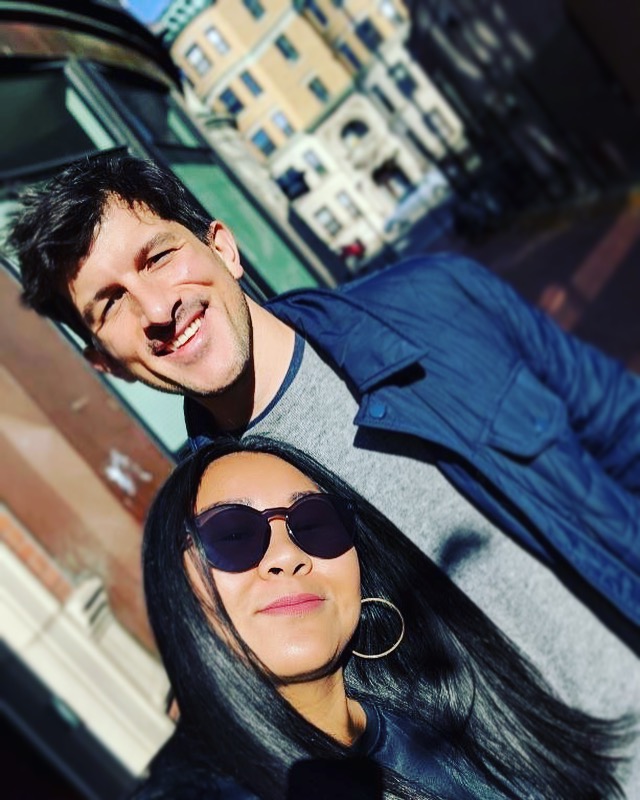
{"x": 455, "y": 672}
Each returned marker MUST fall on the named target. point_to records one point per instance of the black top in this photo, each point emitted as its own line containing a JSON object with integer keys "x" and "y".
{"x": 389, "y": 741}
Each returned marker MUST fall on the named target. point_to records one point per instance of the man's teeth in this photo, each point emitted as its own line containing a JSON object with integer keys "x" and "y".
{"x": 187, "y": 333}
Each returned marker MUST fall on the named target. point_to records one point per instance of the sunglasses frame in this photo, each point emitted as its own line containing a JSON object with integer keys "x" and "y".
{"x": 344, "y": 508}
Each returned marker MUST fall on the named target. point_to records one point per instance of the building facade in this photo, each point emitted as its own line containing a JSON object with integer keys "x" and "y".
{"x": 327, "y": 95}
{"x": 547, "y": 91}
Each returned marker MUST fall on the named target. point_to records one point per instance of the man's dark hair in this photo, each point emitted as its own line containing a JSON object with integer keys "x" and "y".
{"x": 58, "y": 221}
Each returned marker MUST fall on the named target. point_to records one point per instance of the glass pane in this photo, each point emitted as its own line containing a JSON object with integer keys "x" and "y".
{"x": 162, "y": 413}
{"x": 181, "y": 129}
{"x": 152, "y": 111}
{"x": 88, "y": 121}
{"x": 36, "y": 126}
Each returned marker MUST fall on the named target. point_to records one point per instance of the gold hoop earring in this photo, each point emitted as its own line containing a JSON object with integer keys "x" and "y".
{"x": 396, "y": 644}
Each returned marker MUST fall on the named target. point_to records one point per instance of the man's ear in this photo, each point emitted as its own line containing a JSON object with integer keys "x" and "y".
{"x": 103, "y": 362}
{"x": 222, "y": 241}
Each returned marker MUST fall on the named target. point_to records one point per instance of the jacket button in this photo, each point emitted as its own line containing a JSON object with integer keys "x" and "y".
{"x": 377, "y": 409}
{"x": 540, "y": 425}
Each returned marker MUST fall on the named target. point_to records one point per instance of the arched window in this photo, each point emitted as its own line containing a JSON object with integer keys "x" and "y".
{"x": 353, "y": 132}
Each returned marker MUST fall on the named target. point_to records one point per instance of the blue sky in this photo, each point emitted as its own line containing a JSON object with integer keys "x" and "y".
{"x": 146, "y": 10}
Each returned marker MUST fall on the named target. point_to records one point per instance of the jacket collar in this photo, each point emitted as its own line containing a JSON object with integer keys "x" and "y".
{"x": 343, "y": 327}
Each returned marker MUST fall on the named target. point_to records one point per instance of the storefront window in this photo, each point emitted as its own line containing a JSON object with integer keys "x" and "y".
{"x": 44, "y": 122}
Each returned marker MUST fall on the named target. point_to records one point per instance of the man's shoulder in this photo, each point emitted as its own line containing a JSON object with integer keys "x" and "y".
{"x": 430, "y": 275}
{"x": 430, "y": 267}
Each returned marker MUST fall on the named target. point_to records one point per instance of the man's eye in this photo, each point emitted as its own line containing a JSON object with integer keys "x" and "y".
{"x": 158, "y": 257}
{"x": 111, "y": 304}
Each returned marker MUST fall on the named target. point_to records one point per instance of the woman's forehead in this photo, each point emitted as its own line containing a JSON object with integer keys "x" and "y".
{"x": 260, "y": 480}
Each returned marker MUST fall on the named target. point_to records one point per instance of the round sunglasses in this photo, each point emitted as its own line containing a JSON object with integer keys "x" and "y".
{"x": 236, "y": 537}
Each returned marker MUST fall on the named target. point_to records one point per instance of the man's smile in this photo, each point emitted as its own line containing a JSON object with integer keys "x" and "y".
{"x": 185, "y": 335}
{"x": 188, "y": 333}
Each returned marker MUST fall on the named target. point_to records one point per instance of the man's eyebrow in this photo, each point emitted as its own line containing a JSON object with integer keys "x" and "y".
{"x": 157, "y": 240}
{"x": 140, "y": 257}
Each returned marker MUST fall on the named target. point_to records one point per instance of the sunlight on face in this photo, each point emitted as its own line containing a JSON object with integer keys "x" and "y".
{"x": 295, "y": 611}
{"x": 164, "y": 307}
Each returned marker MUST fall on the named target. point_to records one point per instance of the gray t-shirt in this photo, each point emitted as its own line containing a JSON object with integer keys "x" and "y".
{"x": 586, "y": 664}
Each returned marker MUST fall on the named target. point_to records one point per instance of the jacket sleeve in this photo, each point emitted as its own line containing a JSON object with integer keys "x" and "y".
{"x": 601, "y": 397}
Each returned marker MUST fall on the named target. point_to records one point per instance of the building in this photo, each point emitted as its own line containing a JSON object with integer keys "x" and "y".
{"x": 548, "y": 93}
{"x": 82, "y": 457}
{"x": 327, "y": 95}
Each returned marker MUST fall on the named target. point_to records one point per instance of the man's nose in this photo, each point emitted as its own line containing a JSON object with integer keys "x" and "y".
{"x": 283, "y": 556}
{"x": 156, "y": 306}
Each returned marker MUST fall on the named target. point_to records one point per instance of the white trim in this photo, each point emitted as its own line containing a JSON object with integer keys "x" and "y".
{"x": 82, "y": 663}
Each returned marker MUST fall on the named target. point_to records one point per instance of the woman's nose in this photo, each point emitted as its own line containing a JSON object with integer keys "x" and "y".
{"x": 283, "y": 556}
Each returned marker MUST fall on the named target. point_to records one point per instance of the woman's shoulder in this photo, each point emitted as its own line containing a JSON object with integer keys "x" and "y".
{"x": 179, "y": 771}
{"x": 414, "y": 750}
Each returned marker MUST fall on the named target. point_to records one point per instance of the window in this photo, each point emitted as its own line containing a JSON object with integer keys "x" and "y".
{"x": 347, "y": 203}
{"x": 328, "y": 221}
{"x": 286, "y": 48}
{"x": 317, "y": 12}
{"x": 217, "y": 40}
{"x": 314, "y": 162}
{"x": 353, "y": 132}
{"x": 369, "y": 35}
{"x": 231, "y": 101}
{"x": 404, "y": 79}
{"x": 255, "y": 8}
{"x": 262, "y": 141}
{"x": 388, "y": 9}
{"x": 377, "y": 92}
{"x": 393, "y": 179}
{"x": 319, "y": 89}
{"x": 251, "y": 83}
{"x": 347, "y": 53}
{"x": 437, "y": 124}
{"x": 293, "y": 183}
{"x": 197, "y": 59}
{"x": 283, "y": 123}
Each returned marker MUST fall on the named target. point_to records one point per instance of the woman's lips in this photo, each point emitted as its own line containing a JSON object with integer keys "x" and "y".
{"x": 293, "y": 605}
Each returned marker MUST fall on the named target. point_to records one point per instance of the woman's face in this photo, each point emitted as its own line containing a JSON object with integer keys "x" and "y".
{"x": 295, "y": 611}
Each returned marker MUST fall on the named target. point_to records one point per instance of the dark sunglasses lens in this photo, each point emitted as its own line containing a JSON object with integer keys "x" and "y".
{"x": 322, "y": 525}
{"x": 234, "y": 539}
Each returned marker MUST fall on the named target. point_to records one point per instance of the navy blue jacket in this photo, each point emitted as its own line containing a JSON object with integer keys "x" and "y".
{"x": 541, "y": 431}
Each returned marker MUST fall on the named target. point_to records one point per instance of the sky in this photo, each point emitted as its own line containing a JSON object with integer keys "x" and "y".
{"x": 145, "y": 10}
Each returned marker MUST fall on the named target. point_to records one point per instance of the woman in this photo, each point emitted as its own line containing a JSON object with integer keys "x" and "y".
{"x": 255, "y": 561}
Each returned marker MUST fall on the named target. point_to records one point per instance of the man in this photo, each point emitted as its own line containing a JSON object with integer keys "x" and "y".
{"x": 507, "y": 450}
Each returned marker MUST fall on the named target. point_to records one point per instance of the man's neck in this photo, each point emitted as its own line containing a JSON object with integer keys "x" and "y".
{"x": 272, "y": 350}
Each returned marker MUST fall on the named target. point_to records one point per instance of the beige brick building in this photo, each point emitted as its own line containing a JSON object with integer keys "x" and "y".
{"x": 327, "y": 96}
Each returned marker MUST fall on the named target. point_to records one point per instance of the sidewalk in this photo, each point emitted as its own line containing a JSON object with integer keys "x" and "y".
{"x": 583, "y": 269}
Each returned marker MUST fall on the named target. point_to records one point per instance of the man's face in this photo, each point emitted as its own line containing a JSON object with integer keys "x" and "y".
{"x": 164, "y": 307}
